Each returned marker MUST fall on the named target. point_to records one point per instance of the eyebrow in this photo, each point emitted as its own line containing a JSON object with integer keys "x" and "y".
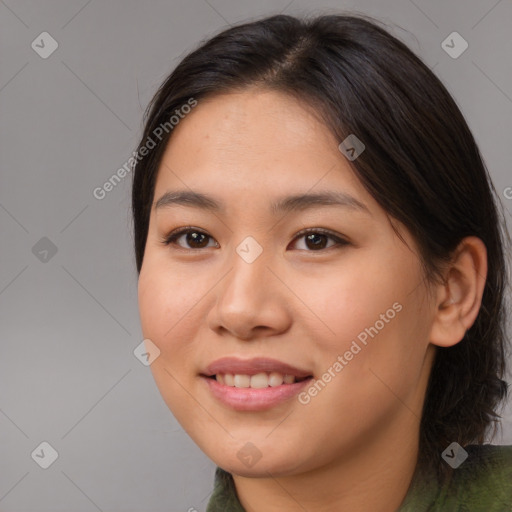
{"x": 298, "y": 202}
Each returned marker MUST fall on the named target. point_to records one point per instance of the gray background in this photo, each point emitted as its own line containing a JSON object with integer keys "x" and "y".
{"x": 69, "y": 321}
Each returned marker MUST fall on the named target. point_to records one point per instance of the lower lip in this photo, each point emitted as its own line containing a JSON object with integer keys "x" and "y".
{"x": 253, "y": 399}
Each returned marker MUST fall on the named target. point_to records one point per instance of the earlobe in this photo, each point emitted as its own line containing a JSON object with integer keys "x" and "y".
{"x": 459, "y": 297}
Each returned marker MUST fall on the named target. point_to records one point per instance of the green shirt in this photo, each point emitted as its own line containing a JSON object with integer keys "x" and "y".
{"x": 482, "y": 483}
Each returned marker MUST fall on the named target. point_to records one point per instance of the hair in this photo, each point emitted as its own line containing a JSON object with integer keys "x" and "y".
{"x": 421, "y": 164}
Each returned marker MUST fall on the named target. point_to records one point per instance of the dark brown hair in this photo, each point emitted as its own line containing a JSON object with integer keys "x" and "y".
{"x": 421, "y": 164}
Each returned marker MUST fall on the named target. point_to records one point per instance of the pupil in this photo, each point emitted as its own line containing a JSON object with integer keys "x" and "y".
{"x": 194, "y": 237}
{"x": 317, "y": 243}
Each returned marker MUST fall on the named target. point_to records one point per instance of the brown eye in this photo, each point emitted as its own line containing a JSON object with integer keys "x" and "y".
{"x": 194, "y": 238}
{"x": 317, "y": 239}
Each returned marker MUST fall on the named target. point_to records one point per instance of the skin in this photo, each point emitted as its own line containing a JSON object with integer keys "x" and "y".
{"x": 354, "y": 446}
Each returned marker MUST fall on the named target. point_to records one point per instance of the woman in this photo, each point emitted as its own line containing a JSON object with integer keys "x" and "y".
{"x": 322, "y": 273}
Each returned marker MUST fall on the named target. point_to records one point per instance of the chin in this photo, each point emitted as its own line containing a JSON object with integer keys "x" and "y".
{"x": 258, "y": 465}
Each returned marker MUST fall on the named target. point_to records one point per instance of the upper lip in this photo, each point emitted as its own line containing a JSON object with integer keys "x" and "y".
{"x": 253, "y": 366}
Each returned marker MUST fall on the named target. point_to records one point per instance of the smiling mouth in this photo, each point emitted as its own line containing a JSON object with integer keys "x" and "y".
{"x": 256, "y": 384}
{"x": 257, "y": 381}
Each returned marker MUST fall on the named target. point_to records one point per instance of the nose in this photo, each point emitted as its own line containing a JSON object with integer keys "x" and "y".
{"x": 251, "y": 301}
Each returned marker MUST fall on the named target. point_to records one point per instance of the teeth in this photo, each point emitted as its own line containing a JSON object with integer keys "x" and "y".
{"x": 275, "y": 379}
{"x": 258, "y": 381}
{"x": 289, "y": 379}
{"x": 242, "y": 381}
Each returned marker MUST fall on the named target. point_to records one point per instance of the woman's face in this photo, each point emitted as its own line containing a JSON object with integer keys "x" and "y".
{"x": 246, "y": 297}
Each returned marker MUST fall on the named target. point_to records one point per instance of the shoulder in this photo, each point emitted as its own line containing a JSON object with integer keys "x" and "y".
{"x": 483, "y": 481}
{"x": 487, "y": 461}
{"x": 491, "y": 452}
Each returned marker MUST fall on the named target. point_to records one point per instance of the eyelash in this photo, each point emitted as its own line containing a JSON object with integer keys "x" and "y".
{"x": 171, "y": 238}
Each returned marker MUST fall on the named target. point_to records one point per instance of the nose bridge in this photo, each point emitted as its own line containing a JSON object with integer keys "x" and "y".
{"x": 249, "y": 296}
{"x": 248, "y": 271}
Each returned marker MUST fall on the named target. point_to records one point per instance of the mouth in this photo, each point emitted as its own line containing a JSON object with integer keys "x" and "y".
{"x": 255, "y": 384}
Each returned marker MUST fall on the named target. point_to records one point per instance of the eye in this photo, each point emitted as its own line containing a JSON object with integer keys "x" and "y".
{"x": 315, "y": 238}
{"x": 195, "y": 237}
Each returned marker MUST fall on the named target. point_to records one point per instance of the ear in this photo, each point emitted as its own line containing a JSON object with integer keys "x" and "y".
{"x": 459, "y": 297}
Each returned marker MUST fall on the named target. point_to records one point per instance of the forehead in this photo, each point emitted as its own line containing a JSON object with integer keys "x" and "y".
{"x": 259, "y": 141}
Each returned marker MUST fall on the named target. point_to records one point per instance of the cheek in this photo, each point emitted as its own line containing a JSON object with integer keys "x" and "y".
{"x": 167, "y": 319}
{"x": 169, "y": 306}
{"x": 381, "y": 325}
{"x": 162, "y": 302}
{"x": 374, "y": 316}
{"x": 353, "y": 298}
{"x": 153, "y": 302}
